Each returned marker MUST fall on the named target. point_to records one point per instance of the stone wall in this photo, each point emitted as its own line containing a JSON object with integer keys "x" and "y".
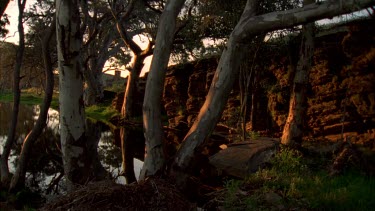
{"x": 342, "y": 91}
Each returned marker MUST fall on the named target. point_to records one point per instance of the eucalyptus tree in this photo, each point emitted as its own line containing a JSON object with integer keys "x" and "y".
{"x": 247, "y": 27}
{"x": 99, "y": 45}
{"x": 16, "y": 97}
{"x": 18, "y": 179}
{"x": 155, "y": 159}
{"x": 293, "y": 129}
{"x": 72, "y": 112}
{"x": 126, "y": 26}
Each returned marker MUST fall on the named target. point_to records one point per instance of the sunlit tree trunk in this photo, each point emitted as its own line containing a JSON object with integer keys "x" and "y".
{"x": 293, "y": 129}
{"x": 155, "y": 158}
{"x": 216, "y": 99}
{"x": 248, "y": 26}
{"x": 127, "y": 110}
{"x": 18, "y": 180}
{"x": 72, "y": 112}
{"x": 16, "y": 99}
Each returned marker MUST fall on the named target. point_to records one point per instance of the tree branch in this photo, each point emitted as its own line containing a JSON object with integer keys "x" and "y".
{"x": 253, "y": 25}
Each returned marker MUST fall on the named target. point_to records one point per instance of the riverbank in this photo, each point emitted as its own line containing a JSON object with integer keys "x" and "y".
{"x": 292, "y": 180}
{"x": 102, "y": 112}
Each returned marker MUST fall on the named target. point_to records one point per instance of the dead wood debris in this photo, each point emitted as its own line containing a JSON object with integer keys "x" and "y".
{"x": 151, "y": 194}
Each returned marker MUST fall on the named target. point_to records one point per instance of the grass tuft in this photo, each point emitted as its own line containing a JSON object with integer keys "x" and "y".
{"x": 300, "y": 186}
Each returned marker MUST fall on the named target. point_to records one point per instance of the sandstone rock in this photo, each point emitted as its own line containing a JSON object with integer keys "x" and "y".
{"x": 243, "y": 158}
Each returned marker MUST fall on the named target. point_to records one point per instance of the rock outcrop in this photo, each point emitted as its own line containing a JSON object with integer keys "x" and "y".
{"x": 341, "y": 98}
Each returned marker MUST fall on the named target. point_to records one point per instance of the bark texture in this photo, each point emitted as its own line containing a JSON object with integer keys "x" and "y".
{"x": 16, "y": 97}
{"x": 293, "y": 129}
{"x": 155, "y": 159}
{"x": 248, "y": 26}
{"x": 18, "y": 180}
{"x": 72, "y": 113}
{"x": 216, "y": 99}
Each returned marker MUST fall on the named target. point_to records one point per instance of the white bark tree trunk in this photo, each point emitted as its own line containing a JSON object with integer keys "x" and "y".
{"x": 155, "y": 160}
{"x": 248, "y": 26}
{"x": 293, "y": 129}
{"x": 216, "y": 99}
{"x": 72, "y": 113}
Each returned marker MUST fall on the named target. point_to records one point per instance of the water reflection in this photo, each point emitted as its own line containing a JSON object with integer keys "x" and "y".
{"x": 45, "y": 168}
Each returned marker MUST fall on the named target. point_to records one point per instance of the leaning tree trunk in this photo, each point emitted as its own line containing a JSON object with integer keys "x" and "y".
{"x": 293, "y": 129}
{"x": 72, "y": 112}
{"x": 16, "y": 100}
{"x": 155, "y": 158}
{"x": 3, "y": 6}
{"x": 18, "y": 180}
{"x": 216, "y": 99}
{"x": 248, "y": 26}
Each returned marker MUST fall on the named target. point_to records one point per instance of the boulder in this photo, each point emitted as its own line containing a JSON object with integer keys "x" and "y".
{"x": 243, "y": 158}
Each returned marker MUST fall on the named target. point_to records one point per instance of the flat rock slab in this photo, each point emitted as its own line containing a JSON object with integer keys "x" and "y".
{"x": 243, "y": 158}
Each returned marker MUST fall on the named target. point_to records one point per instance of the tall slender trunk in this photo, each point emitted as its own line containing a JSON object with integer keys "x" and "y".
{"x": 127, "y": 155}
{"x": 127, "y": 112}
{"x": 155, "y": 158}
{"x": 72, "y": 113}
{"x": 127, "y": 145}
{"x": 254, "y": 100}
{"x": 18, "y": 180}
{"x": 293, "y": 129}
{"x": 16, "y": 99}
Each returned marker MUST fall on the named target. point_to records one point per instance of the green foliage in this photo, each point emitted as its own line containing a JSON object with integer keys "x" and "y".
{"x": 116, "y": 87}
{"x": 101, "y": 113}
{"x": 291, "y": 178}
{"x": 232, "y": 201}
{"x": 254, "y": 135}
{"x": 28, "y": 97}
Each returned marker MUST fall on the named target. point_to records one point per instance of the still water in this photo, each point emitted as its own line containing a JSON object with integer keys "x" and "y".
{"x": 45, "y": 165}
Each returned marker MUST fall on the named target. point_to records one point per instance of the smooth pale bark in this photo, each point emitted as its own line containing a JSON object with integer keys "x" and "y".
{"x": 216, "y": 99}
{"x": 18, "y": 180}
{"x": 72, "y": 112}
{"x": 248, "y": 26}
{"x": 155, "y": 158}
{"x": 3, "y": 6}
{"x": 16, "y": 97}
{"x": 293, "y": 129}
